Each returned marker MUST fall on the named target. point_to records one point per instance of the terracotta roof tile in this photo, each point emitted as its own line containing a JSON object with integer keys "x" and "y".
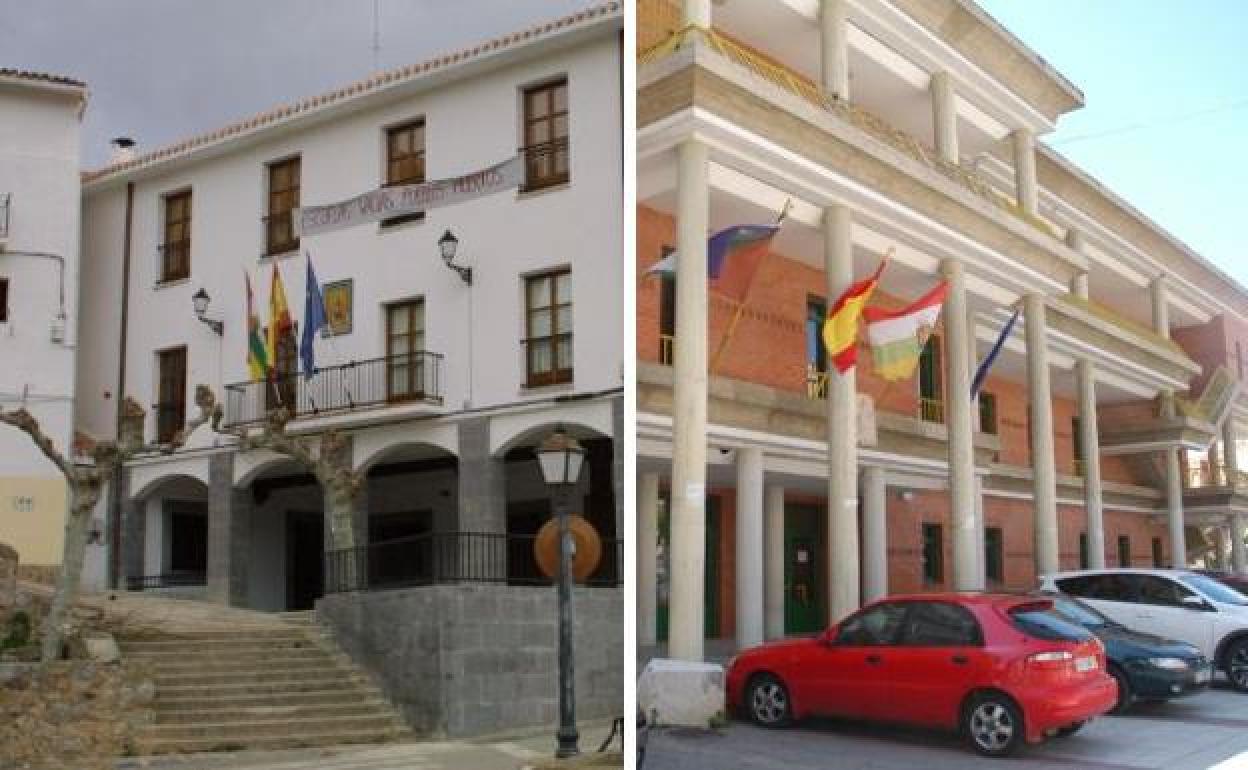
{"x": 42, "y": 77}
{"x": 355, "y": 89}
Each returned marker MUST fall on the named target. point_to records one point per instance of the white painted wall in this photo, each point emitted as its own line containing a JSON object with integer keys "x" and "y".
{"x": 39, "y": 138}
{"x": 469, "y": 124}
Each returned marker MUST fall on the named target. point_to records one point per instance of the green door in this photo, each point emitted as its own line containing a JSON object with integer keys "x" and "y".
{"x": 711, "y": 569}
{"x": 803, "y": 570}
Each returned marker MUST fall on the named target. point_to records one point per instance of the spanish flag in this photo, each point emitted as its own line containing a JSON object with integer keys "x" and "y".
{"x": 257, "y": 356}
{"x": 280, "y": 323}
{"x": 840, "y": 330}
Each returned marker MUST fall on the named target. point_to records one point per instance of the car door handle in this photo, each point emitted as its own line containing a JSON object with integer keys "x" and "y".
{"x": 874, "y": 660}
{"x": 960, "y": 660}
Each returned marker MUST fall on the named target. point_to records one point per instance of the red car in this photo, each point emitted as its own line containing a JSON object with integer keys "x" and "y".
{"x": 1001, "y": 669}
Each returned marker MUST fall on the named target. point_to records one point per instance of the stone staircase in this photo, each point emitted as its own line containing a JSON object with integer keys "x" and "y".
{"x": 279, "y": 687}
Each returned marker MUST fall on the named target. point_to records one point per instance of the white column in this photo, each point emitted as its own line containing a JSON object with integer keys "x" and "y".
{"x": 1025, "y": 169}
{"x": 688, "y": 507}
{"x": 972, "y": 363}
{"x": 696, "y": 12}
{"x": 874, "y": 533}
{"x": 834, "y": 48}
{"x": 1174, "y": 509}
{"x": 773, "y": 564}
{"x": 842, "y": 430}
{"x": 1041, "y": 404}
{"x": 647, "y": 559}
{"x": 944, "y": 116}
{"x": 1230, "y": 452}
{"x": 749, "y": 588}
{"x": 1090, "y": 443}
{"x": 961, "y": 431}
{"x": 1239, "y": 559}
{"x": 1161, "y": 306}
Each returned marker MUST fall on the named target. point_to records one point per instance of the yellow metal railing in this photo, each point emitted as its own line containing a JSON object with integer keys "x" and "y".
{"x": 660, "y": 33}
{"x": 1107, "y": 314}
{"x": 665, "y": 349}
{"x": 1214, "y": 475}
{"x": 816, "y": 382}
{"x": 1079, "y": 468}
{"x": 931, "y": 410}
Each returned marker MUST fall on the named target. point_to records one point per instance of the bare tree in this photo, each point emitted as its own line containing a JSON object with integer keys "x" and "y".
{"x": 86, "y": 484}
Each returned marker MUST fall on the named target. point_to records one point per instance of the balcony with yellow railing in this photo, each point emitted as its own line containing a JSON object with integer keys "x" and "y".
{"x": 661, "y": 32}
{"x": 816, "y": 382}
{"x": 1208, "y": 474}
{"x": 666, "y": 351}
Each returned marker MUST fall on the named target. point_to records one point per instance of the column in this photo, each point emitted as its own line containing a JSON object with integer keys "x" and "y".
{"x": 961, "y": 432}
{"x": 1041, "y": 404}
{"x": 133, "y": 533}
{"x": 749, "y": 588}
{"x": 874, "y": 533}
{"x": 834, "y": 48}
{"x": 647, "y": 559}
{"x": 1223, "y": 543}
{"x": 688, "y": 507}
{"x": 1090, "y": 445}
{"x": 1230, "y": 452}
{"x": 842, "y": 429}
{"x": 482, "y": 497}
{"x": 697, "y": 13}
{"x": 1174, "y": 509}
{"x": 972, "y": 363}
{"x": 229, "y": 533}
{"x": 773, "y": 566}
{"x": 1024, "y": 142}
{"x": 944, "y": 116}
{"x": 1239, "y": 559}
{"x": 1161, "y": 306}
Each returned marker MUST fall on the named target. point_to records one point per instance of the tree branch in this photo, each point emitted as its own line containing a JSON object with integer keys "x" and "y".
{"x": 26, "y": 422}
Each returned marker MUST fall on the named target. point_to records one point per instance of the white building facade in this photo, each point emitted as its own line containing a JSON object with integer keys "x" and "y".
{"x": 40, "y": 119}
{"x": 441, "y": 385}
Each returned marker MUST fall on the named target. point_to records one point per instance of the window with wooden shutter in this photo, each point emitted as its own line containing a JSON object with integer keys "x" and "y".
{"x": 283, "y": 200}
{"x": 171, "y": 406}
{"x": 546, "y": 135}
{"x": 175, "y": 247}
{"x": 405, "y": 163}
{"x": 548, "y": 314}
{"x": 405, "y": 349}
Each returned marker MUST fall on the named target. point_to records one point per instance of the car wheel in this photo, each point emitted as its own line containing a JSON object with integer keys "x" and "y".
{"x": 993, "y": 725}
{"x": 768, "y": 701}
{"x": 1236, "y": 664}
{"x": 1125, "y": 698}
{"x": 1068, "y": 730}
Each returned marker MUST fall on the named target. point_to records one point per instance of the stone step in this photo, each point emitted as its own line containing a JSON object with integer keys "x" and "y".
{"x": 166, "y": 704}
{"x": 257, "y": 676}
{"x": 337, "y": 683}
{"x": 291, "y": 637}
{"x": 244, "y": 728}
{"x": 288, "y": 741}
{"x": 217, "y": 647}
{"x": 163, "y": 670}
{"x": 277, "y": 710}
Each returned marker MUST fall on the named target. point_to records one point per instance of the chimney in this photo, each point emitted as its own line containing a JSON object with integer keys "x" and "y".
{"x": 123, "y": 150}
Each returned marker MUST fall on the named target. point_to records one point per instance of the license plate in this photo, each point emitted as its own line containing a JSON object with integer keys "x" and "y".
{"x": 1085, "y": 664}
{"x": 1203, "y": 675}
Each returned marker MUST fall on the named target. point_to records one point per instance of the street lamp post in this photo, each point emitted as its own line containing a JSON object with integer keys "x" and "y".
{"x": 561, "y": 458}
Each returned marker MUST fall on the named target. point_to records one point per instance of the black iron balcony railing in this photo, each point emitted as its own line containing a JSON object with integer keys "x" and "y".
{"x": 279, "y": 233}
{"x": 435, "y": 558}
{"x": 4, "y": 214}
{"x": 398, "y": 379}
{"x": 545, "y": 164}
{"x": 176, "y": 579}
{"x": 175, "y": 260}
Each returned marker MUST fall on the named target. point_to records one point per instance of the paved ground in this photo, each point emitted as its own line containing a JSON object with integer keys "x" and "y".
{"x": 1206, "y": 731}
{"x": 521, "y": 750}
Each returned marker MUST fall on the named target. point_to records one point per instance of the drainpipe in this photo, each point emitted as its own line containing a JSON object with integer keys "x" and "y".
{"x": 114, "y": 486}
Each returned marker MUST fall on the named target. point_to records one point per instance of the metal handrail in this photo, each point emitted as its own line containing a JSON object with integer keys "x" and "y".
{"x": 344, "y": 387}
{"x": 536, "y": 152}
{"x": 176, "y": 579}
{"x": 931, "y": 410}
{"x": 816, "y": 382}
{"x": 289, "y": 243}
{"x": 666, "y": 349}
{"x": 437, "y": 558}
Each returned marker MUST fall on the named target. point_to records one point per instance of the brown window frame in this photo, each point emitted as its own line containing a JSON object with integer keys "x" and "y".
{"x": 393, "y": 178}
{"x": 557, "y": 374}
{"x": 170, "y": 392}
{"x": 175, "y": 242}
{"x": 279, "y": 233}
{"x": 415, "y": 358}
{"x": 4, "y": 300}
{"x": 555, "y": 146}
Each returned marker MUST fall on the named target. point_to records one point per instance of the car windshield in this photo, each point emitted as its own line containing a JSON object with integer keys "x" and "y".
{"x": 1040, "y": 622}
{"x": 1213, "y": 589}
{"x": 1081, "y": 614}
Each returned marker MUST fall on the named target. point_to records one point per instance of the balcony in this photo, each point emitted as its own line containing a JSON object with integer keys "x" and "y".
{"x": 660, "y": 35}
{"x": 413, "y": 378}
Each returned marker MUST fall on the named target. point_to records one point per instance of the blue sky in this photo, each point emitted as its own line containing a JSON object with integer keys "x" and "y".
{"x": 1151, "y": 63}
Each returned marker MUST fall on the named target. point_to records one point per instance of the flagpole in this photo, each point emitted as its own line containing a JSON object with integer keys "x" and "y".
{"x": 736, "y": 316}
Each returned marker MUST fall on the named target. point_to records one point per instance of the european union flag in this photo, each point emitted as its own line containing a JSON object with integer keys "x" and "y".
{"x": 313, "y": 320}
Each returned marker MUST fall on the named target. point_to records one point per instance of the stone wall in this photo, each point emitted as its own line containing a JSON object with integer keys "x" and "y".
{"x": 467, "y": 660}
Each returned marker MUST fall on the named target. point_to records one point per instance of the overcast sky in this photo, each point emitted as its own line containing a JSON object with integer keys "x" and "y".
{"x": 160, "y": 70}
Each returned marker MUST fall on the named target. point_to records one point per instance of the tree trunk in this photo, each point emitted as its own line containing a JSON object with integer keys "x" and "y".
{"x": 350, "y": 562}
{"x": 70, "y": 581}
